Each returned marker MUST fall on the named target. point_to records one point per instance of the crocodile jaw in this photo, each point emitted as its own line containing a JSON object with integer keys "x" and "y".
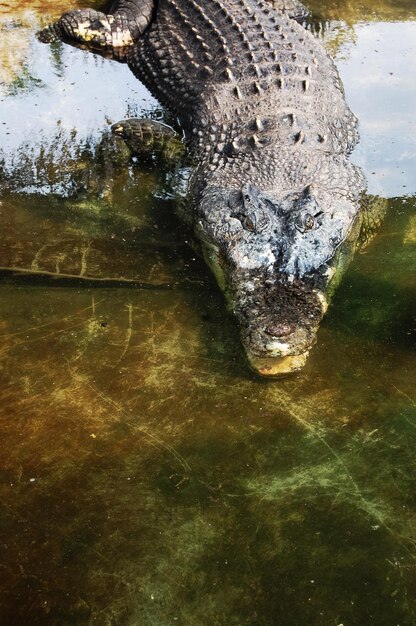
{"x": 275, "y": 367}
{"x": 279, "y": 318}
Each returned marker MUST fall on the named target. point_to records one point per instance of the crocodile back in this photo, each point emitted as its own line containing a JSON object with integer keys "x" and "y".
{"x": 241, "y": 76}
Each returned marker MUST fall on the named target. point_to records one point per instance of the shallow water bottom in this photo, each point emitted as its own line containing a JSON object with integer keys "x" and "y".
{"x": 147, "y": 477}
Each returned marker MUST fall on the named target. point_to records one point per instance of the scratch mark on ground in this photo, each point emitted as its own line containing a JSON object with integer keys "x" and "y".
{"x": 152, "y": 439}
{"x": 84, "y": 265}
{"x": 366, "y": 504}
{"x": 59, "y": 258}
{"x": 57, "y": 321}
{"x": 402, "y": 393}
{"x": 152, "y": 332}
{"x": 36, "y": 258}
{"x": 129, "y": 331}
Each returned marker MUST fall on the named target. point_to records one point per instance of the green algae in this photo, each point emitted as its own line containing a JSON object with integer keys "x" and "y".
{"x": 153, "y": 478}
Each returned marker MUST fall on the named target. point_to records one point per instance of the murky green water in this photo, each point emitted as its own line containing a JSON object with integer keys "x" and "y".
{"x": 147, "y": 477}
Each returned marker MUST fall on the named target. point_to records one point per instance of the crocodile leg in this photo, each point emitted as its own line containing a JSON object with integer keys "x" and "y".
{"x": 149, "y": 138}
{"x": 109, "y": 35}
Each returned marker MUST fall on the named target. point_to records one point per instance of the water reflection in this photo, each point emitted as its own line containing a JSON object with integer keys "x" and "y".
{"x": 146, "y": 476}
{"x": 54, "y": 98}
{"x": 383, "y": 97}
{"x": 353, "y": 12}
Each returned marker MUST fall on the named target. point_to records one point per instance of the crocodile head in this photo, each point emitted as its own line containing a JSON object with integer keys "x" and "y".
{"x": 276, "y": 259}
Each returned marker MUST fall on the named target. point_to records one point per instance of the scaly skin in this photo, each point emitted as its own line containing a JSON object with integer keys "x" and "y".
{"x": 274, "y": 200}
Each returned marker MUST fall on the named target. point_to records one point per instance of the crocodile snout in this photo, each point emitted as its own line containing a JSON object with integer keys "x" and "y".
{"x": 279, "y": 321}
{"x": 277, "y": 367}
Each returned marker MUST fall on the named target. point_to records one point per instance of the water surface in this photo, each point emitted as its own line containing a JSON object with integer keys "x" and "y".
{"x": 147, "y": 477}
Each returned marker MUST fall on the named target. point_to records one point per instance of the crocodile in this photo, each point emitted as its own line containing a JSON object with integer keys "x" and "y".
{"x": 273, "y": 199}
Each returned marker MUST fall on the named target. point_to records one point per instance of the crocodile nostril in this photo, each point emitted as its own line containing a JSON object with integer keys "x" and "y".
{"x": 279, "y": 330}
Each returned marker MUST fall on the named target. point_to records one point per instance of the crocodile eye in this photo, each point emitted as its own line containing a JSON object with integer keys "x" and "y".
{"x": 309, "y": 222}
{"x": 304, "y": 223}
{"x": 249, "y": 224}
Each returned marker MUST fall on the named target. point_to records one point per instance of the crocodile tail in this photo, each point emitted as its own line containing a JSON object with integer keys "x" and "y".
{"x": 90, "y": 30}
{"x": 50, "y": 34}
